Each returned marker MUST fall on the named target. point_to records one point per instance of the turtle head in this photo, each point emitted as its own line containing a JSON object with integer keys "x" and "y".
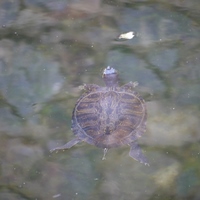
{"x": 110, "y": 77}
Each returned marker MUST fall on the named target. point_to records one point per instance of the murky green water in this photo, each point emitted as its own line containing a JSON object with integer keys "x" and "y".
{"x": 49, "y": 48}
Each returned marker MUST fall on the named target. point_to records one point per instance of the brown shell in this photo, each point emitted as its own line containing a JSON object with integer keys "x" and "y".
{"x": 109, "y": 117}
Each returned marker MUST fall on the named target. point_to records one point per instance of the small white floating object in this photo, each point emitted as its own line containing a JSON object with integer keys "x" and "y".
{"x": 56, "y": 196}
{"x": 127, "y": 36}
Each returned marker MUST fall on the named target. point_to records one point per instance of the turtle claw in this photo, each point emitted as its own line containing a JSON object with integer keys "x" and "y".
{"x": 136, "y": 153}
{"x": 67, "y": 145}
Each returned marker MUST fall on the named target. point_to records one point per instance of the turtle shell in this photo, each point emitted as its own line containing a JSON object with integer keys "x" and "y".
{"x": 109, "y": 116}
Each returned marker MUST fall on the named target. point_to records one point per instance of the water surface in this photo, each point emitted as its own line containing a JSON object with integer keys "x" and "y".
{"x": 48, "y": 49}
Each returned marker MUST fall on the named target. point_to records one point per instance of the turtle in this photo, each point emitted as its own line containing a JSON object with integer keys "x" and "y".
{"x": 110, "y": 116}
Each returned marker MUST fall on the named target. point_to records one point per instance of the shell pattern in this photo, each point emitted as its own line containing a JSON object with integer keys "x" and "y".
{"x": 109, "y": 118}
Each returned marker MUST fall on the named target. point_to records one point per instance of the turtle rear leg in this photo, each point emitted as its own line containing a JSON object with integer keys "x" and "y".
{"x": 67, "y": 145}
{"x": 136, "y": 153}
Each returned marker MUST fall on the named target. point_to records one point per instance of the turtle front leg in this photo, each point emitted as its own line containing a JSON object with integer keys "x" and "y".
{"x": 136, "y": 153}
{"x": 130, "y": 85}
{"x": 68, "y": 145}
{"x": 89, "y": 87}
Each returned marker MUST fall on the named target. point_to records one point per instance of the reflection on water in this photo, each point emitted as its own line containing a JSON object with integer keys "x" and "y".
{"x": 48, "y": 49}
